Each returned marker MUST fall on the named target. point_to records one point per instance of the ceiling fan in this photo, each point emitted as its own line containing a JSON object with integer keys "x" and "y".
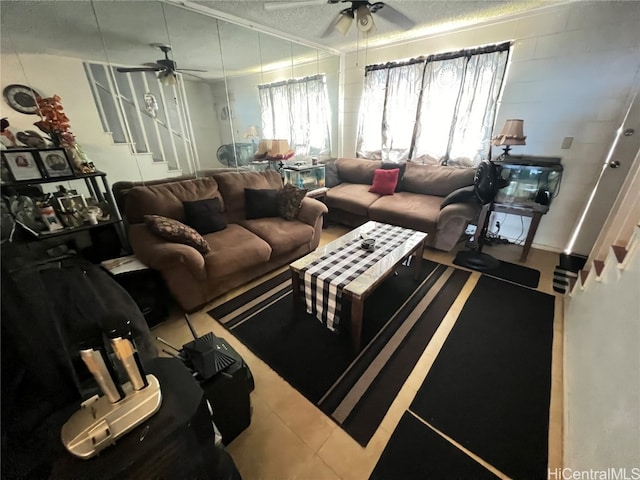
{"x": 165, "y": 67}
{"x": 361, "y": 11}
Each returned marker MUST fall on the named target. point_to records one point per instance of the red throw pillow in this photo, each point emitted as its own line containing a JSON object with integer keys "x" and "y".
{"x": 385, "y": 181}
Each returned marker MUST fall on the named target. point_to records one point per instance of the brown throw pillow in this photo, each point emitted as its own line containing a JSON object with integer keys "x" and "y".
{"x": 290, "y": 201}
{"x": 175, "y": 231}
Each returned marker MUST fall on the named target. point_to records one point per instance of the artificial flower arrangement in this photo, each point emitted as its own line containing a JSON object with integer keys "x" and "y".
{"x": 55, "y": 123}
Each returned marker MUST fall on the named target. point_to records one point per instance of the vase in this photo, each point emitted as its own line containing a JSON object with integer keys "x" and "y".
{"x": 79, "y": 159}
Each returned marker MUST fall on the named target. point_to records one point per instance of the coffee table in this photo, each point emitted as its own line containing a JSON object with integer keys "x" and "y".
{"x": 365, "y": 283}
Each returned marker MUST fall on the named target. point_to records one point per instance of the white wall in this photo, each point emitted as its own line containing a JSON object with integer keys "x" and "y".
{"x": 50, "y": 75}
{"x": 602, "y": 372}
{"x": 571, "y": 71}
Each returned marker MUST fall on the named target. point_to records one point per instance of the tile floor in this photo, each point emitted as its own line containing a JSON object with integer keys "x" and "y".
{"x": 289, "y": 438}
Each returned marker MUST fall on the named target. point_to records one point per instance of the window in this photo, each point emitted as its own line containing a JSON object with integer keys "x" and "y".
{"x": 438, "y": 110}
{"x": 297, "y": 110}
{"x": 120, "y": 99}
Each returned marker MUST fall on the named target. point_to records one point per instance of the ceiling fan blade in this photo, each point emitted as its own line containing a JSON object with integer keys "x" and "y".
{"x": 140, "y": 69}
{"x": 154, "y": 64}
{"x": 396, "y": 17}
{"x": 189, "y": 70}
{"x": 191, "y": 74}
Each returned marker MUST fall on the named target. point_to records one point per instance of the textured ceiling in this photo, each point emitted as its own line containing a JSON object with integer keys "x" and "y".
{"x": 121, "y": 31}
{"x": 309, "y": 19}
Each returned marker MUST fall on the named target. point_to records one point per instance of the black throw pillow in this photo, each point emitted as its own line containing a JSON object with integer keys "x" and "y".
{"x": 461, "y": 195}
{"x": 204, "y": 216}
{"x": 260, "y": 203}
{"x": 392, "y": 165}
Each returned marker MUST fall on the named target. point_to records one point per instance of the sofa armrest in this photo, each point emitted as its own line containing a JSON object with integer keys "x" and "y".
{"x": 465, "y": 211}
{"x": 161, "y": 255}
{"x": 310, "y": 210}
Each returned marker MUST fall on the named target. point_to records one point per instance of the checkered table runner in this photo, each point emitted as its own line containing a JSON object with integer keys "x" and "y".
{"x": 325, "y": 277}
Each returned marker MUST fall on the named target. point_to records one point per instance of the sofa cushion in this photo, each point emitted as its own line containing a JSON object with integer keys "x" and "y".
{"x": 409, "y": 210}
{"x": 175, "y": 231}
{"x": 385, "y": 181}
{"x": 461, "y": 195}
{"x": 166, "y": 199}
{"x": 289, "y": 201}
{"x": 435, "y": 180}
{"x": 260, "y": 202}
{"x": 232, "y": 185}
{"x": 234, "y": 249}
{"x": 357, "y": 170}
{"x": 282, "y": 235}
{"x": 351, "y": 197}
{"x": 331, "y": 178}
{"x": 204, "y": 215}
{"x": 391, "y": 165}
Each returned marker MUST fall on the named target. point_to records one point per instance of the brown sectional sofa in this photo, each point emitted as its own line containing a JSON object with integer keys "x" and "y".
{"x": 415, "y": 203}
{"x": 244, "y": 250}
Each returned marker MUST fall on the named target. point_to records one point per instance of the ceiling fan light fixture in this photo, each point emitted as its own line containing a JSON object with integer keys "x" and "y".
{"x": 167, "y": 78}
{"x": 364, "y": 18}
{"x": 344, "y": 22}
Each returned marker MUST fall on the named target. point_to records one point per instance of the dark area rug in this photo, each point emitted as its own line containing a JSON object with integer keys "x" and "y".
{"x": 489, "y": 388}
{"x": 416, "y": 452}
{"x": 511, "y": 272}
{"x": 322, "y": 365}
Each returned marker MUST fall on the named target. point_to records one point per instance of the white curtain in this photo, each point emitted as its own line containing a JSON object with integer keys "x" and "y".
{"x": 435, "y": 110}
{"x": 297, "y": 110}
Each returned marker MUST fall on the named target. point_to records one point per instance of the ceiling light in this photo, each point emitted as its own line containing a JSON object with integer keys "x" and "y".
{"x": 344, "y": 22}
{"x": 364, "y": 18}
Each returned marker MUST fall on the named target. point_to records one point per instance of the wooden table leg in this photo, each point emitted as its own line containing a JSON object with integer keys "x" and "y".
{"x": 356, "y": 322}
{"x": 417, "y": 268}
{"x": 533, "y": 227}
{"x": 295, "y": 286}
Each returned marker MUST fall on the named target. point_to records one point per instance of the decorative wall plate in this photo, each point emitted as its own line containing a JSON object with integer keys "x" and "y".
{"x": 21, "y": 98}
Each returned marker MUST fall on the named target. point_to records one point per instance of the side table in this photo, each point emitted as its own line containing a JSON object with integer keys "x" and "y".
{"x": 534, "y": 211}
{"x": 145, "y": 285}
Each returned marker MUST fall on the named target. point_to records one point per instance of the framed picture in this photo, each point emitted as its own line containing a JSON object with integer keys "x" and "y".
{"x": 71, "y": 203}
{"x": 56, "y": 163}
{"x": 22, "y": 164}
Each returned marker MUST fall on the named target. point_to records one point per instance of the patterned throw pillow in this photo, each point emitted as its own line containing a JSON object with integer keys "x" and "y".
{"x": 290, "y": 201}
{"x": 175, "y": 231}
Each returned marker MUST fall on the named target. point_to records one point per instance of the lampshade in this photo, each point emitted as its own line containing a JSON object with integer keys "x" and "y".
{"x": 167, "y": 78}
{"x": 512, "y": 134}
{"x": 344, "y": 22}
{"x": 274, "y": 149}
{"x": 364, "y": 18}
{"x": 279, "y": 149}
{"x": 252, "y": 132}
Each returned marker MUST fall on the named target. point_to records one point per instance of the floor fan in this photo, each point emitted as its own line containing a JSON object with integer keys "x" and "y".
{"x": 487, "y": 181}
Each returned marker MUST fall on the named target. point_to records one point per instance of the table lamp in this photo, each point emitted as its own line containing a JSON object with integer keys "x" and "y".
{"x": 511, "y": 134}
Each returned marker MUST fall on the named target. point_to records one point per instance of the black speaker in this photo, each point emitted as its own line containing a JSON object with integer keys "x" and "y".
{"x": 228, "y": 393}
